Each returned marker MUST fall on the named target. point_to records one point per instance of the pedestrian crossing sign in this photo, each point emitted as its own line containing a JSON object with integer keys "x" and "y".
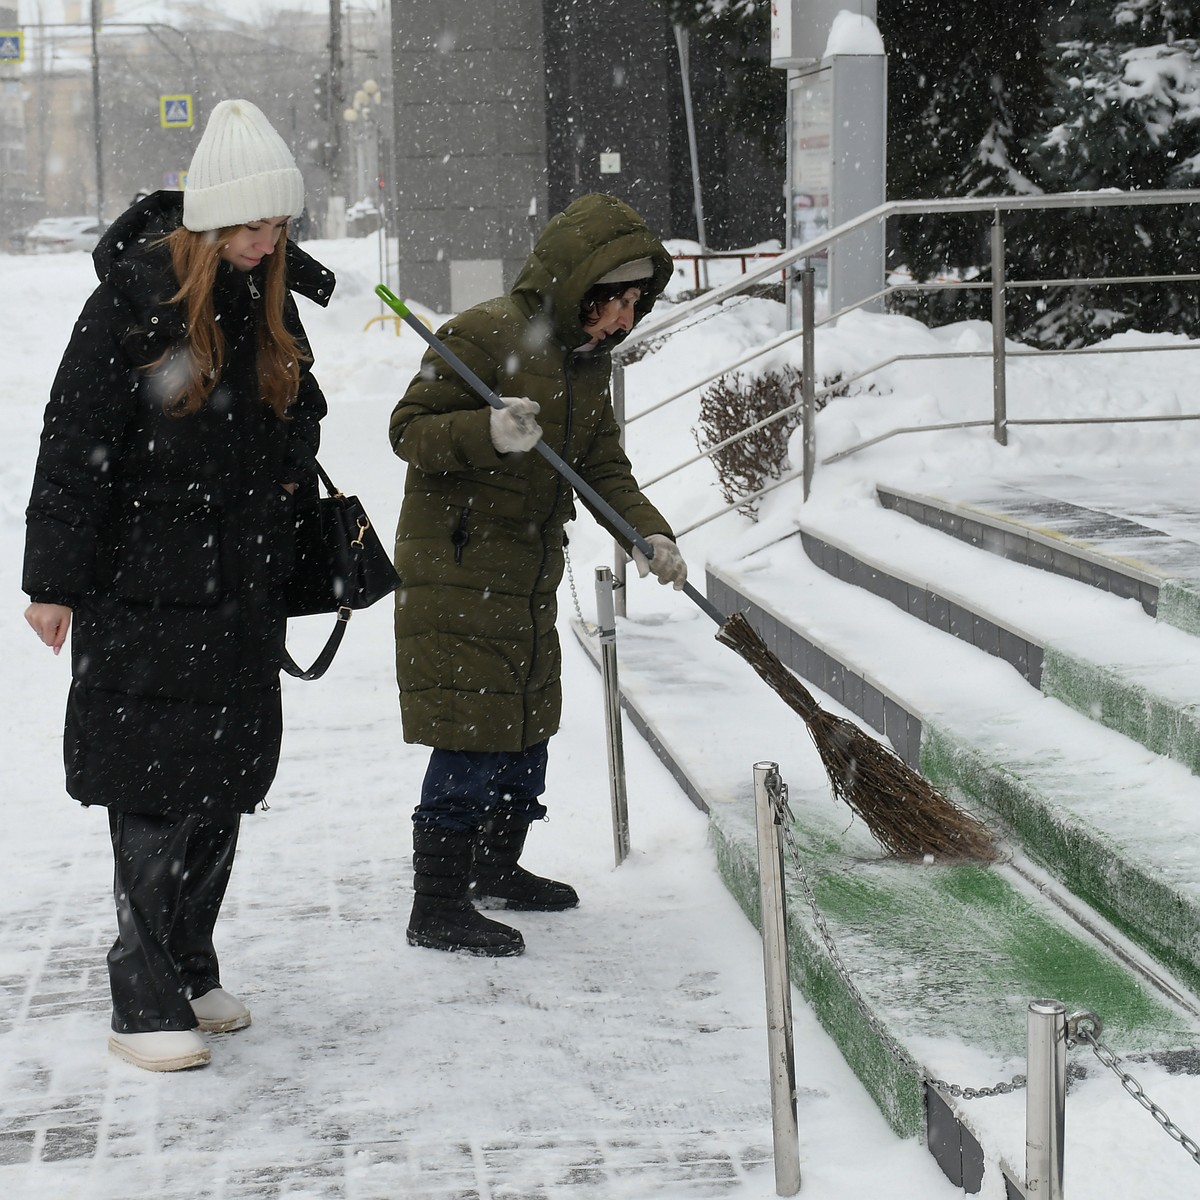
{"x": 12, "y": 46}
{"x": 176, "y": 112}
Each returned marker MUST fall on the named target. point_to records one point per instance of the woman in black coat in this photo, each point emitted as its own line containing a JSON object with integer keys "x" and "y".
{"x": 182, "y": 423}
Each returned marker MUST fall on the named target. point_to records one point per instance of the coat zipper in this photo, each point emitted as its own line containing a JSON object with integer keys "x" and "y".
{"x": 558, "y": 486}
{"x": 461, "y": 536}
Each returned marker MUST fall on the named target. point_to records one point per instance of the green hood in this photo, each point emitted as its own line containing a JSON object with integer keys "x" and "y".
{"x": 592, "y": 236}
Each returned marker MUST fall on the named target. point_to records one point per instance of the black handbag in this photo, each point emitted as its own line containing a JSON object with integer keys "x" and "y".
{"x": 340, "y": 565}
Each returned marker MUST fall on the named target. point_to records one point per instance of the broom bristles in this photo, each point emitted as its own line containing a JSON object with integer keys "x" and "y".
{"x": 904, "y": 812}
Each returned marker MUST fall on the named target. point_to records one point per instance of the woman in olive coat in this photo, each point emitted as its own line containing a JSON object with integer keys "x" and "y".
{"x": 479, "y": 551}
{"x": 182, "y": 423}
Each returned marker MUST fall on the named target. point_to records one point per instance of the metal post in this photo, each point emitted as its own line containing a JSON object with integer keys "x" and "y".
{"x": 606, "y": 620}
{"x": 999, "y": 315}
{"x": 681, "y": 44}
{"x": 770, "y": 797}
{"x": 97, "y": 16}
{"x": 619, "y": 559}
{"x": 1046, "y": 1090}
{"x": 808, "y": 327}
{"x": 336, "y": 99}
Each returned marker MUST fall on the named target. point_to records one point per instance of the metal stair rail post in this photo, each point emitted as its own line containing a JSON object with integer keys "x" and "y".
{"x": 770, "y": 805}
{"x": 619, "y": 557}
{"x": 697, "y": 309}
{"x": 607, "y": 628}
{"x": 999, "y": 324}
{"x": 808, "y": 325}
{"x": 1046, "y": 1090}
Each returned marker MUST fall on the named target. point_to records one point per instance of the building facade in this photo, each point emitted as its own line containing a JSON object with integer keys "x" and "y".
{"x": 506, "y": 110}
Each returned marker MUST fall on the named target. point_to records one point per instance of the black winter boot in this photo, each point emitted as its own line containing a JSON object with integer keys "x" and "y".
{"x": 497, "y": 880}
{"x": 443, "y": 917}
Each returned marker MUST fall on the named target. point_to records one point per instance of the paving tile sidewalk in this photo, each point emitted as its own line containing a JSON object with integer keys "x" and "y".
{"x": 328, "y": 1095}
{"x": 623, "y": 1056}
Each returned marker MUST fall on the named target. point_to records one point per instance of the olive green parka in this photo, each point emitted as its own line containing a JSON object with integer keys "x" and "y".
{"x": 479, "y": 547}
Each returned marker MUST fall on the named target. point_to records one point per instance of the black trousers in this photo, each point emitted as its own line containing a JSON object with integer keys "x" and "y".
{"x": 171, "y": 875}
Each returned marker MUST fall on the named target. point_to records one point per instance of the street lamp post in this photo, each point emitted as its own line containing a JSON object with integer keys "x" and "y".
{"x": 365, "y": 121}
{"x": 97, "y": 13}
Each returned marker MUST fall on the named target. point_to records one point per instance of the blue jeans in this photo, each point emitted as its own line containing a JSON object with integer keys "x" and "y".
{"x": 464, "y": 788}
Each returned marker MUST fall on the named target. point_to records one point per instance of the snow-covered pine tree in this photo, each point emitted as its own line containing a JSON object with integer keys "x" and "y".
{"x": 966, "y": 85}
{"x": 1124, "y": 113}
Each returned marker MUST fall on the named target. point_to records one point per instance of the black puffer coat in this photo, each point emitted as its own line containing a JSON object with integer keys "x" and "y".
{"x": 170, "y": 537}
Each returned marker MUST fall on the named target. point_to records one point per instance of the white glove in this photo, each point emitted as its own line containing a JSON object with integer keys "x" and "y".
{"x": 514, "y": 427}
{"x": 667, "y": 563}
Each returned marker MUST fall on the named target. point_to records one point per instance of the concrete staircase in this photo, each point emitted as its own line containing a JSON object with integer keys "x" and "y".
{"x": 1051, "y": 702}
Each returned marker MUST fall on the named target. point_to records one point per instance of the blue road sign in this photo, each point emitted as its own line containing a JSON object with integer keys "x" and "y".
{"x": 175, "y": 112}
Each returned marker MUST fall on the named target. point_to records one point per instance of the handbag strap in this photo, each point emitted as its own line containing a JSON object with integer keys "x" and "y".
{"x": 333, "y": 490}
{"x": 325, "y": 658}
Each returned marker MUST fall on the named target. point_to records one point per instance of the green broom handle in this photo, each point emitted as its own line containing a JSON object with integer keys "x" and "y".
{"x": 572, "y": 476}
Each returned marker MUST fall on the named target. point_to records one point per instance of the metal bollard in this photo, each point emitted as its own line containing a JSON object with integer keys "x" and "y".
{"x": 770, "y": 796}
{"x": 1046, "y": 1090}
{"x": 607, "y": 621}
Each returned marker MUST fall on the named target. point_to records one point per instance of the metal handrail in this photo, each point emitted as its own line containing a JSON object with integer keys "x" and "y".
{"x": 998, "y": 285}
{"x": 897, "y": 208}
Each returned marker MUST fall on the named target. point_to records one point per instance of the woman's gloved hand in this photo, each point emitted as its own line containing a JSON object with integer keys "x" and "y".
{"x": 514, "y": 427}
{"x": 667, "y": 564}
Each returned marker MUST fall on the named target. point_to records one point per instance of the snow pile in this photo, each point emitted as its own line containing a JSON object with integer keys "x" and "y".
{"x": 853, "y": 33}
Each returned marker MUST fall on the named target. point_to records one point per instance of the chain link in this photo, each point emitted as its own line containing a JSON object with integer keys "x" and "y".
{"x": 591, "y": 629}
{"x": 1091, "y": 1038}
{"x": 777, "y": 791}
{"x": 1081, "y": 1026}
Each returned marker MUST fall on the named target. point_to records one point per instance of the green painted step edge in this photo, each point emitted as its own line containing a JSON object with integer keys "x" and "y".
{"x": 897, "y": 1090}
{"x": 973, "y": 908}
{"x": 1102, "y": 695}
{"x": 1141, "y": 906}
{"x": 1179, "y": 604}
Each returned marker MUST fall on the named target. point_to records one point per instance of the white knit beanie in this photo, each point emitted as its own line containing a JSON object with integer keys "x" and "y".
{"x": 241, "y": 171}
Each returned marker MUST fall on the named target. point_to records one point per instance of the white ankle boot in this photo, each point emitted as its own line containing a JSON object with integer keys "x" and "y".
{"x": 219, "y": 1012}
{"x": 162, "y": 1050}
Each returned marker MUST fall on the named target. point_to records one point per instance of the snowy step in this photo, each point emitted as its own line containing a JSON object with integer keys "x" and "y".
{"x": 945, "y": 957}
{"x": 1119, "y": 826}
{"x": 1101, "y": 655}
{"x": 1104, "y": 549}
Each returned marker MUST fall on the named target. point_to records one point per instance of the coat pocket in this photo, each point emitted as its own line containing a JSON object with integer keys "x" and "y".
{"x": 167, "y": 547}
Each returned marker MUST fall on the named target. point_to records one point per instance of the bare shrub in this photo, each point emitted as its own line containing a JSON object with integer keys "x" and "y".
{"x": 734, "y": 403}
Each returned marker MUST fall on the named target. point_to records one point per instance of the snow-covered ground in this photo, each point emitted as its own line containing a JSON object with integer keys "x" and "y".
{"x": 633, "y": 1029}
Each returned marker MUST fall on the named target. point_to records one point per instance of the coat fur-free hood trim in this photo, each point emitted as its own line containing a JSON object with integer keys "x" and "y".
{"x": 130, "y": 259}
{"x": 591, "y": 237}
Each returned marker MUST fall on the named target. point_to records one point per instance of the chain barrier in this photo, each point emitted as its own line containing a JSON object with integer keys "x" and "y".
{"x": 1083, "y": 1027}
{"x": 777, "y": 791}
{"x": 1086, "y": 1028}
{"x": 588, "y": 625}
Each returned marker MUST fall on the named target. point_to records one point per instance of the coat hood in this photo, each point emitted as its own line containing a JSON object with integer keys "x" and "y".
{"x": 592, "y": 236}
{"x": 130, "y": 259}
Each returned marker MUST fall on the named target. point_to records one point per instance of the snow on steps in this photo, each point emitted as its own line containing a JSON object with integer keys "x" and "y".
{"x": 946, "y": 957}
{"x": 1118, "y": 825}
{"x": 1102, "y": 548}
{"x": 1136, "y": 677}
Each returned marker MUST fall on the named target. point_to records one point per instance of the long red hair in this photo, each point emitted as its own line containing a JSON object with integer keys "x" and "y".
{"x": 196, "y": 257}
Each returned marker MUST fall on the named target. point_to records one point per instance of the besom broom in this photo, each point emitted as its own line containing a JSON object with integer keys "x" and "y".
{"x": 904, "y": 812}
